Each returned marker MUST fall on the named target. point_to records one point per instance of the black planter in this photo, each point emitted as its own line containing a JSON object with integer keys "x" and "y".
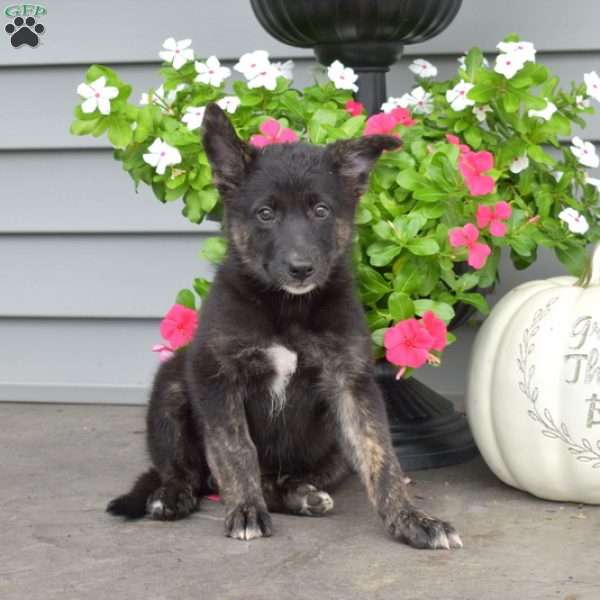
{"x": 369, "y": 36}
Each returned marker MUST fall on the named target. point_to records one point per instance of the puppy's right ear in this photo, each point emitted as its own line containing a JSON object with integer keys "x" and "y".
{"x": 228, "y": 155}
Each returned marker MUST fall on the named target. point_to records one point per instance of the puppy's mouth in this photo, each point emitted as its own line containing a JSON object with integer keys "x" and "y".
{"x": 299, "y": 289}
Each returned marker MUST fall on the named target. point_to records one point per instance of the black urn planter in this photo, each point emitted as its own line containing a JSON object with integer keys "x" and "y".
{"x": 369, "y": 36}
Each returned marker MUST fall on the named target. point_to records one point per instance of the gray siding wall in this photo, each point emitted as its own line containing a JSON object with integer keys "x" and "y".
{"x": 88, "y": 267}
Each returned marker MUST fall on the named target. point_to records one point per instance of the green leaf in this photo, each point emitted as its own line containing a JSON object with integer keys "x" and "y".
{"x": 186, "y": 298}
{"x": 372, "y": 285}
{"x": 476, "y": 300}
{"x": 201, "y": 286}
{"x": 574, "y": 257}
{"x": 120, "y": 133}
{"x": 83, "y": 127}
{"x": 363, "y": 215}
{"x": 381, "y": 253}
{"x": 377, "y": 336}
{"x": 443, "y": 310}
{"x": 537, "y": 153}
{"x": 423, "y": 246}
{"x": 400, "y": 306}
{"x": 352, "y": 126}
{"x": 430, "y": 193}
{"x": 214, "y": 249}
{"x": 409, "y": 179}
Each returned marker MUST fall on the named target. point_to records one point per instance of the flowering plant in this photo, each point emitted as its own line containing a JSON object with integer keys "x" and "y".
{"x": 482, "y": 169}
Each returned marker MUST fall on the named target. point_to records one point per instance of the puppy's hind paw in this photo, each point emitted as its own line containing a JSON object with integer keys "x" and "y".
{"x": 419, "y": 530}
{"x": 248, "y": 521}
{"x": 171, "y": 502}
{"x": 306, "y": 499}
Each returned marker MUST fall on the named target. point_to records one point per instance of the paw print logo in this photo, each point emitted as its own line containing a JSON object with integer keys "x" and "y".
{"x": 24, "y": 31}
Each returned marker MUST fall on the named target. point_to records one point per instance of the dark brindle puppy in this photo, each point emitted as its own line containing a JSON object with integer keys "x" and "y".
{"x": 275, "y": 398}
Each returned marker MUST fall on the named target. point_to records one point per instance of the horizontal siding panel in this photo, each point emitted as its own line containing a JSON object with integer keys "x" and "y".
{"x": 94, "y": 276}
{"x": 112, "y": 31}
{"x": 75, "y": 191}
{"x": 82, "y": 353}
{"x": 30, "y": 127}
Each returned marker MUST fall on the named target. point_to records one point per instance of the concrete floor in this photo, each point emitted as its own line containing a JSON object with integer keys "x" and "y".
{"x": 61, "y": 464}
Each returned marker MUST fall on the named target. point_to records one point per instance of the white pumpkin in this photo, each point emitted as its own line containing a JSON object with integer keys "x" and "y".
{"x": 533, "y": 392}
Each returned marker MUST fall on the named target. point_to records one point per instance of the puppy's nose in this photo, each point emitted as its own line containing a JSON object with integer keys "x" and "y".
{"x": 300, "y": 268}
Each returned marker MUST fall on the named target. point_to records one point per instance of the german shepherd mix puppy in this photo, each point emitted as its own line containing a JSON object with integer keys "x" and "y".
{"x": 275, "y": 398}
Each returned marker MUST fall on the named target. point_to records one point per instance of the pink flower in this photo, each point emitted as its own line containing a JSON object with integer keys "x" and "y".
{"x": 380, "y": 124}
{"x": 407, "y": 344}
{"x": 467, "y": 236}
{"x": 165, "y": 352}
{"x": 354, "y": 108}
{"x": 273, "y": 133}
{"x": 456, "y": 141}
{"x": 403, "y": 117}
{"x": 179, "y": 325}
{"x": 472, "y": 165}
{"x": 494, "y": 217}
{"x": 437, "y": 329}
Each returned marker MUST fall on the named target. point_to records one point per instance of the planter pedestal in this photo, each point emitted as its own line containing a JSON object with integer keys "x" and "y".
{"x": 369, "y": 36}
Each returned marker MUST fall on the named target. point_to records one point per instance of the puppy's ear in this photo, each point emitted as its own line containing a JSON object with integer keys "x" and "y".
{"x": 354, "y": 159}
{"x": 228, "y": 155}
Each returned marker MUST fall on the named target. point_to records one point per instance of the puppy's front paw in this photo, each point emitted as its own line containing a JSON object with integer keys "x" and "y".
{"x": 248, "y": 521}
{"x": 419, "y": 530}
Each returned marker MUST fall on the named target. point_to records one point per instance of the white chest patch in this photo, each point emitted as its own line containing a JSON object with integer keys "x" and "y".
{"x": 284, "y": 362}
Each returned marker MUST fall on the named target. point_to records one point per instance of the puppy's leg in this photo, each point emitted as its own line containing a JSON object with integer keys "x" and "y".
{"x": 175, "y": 448}
{"x": 364, "y": 427}
{"x": 233, "y": 462}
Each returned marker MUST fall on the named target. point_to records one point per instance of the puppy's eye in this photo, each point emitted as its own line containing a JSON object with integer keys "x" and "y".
{"x": 265, "y": 214}
{"x": 321, "y": 211}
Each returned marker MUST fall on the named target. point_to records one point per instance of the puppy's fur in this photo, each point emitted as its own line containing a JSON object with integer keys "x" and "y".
{"x": 275, "y": 398}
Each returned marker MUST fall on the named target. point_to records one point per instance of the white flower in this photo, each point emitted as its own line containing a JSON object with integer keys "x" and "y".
{"x": 518, "y": 164}
{"x": 575, "y": 222}
{"x": 285, "y": 69}
{"x": 592, "y": 85}
{"x": 585, "y": 152}
{"x": 593, "y": 181}
{"x": 462, "y": 61}
{"x": 343, "y": 77}
{"x": 211, "y": 72}
{"x": 546, "y": 113}
{"x": 508, "y": 65}
{"x": 266, "y": 78}
{"x": 582, "y": 102}
{"x": 558, "y": 175}
{"x": 457, "y": 96}
{"x": 423, "y": 68}
{"x": 229, "y": 103}
{"x": 97, "y": 95}
{"x": 161, "y": 97}
{"x": 251, "y": 63}
{"x": 524, "y": 50}
{"x": 193, "y": 117}
{"x": 160, "y": 155}
{"x": 393, "y": 103}
{"x": 479, "y": 112}
{"x": 176, "y": 53}
{"x": 419, "y": 100}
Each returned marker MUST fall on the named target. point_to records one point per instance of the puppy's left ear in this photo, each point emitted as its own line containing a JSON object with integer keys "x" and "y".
{"x": 229, "y": 157}
{"x": 354, "y": 159}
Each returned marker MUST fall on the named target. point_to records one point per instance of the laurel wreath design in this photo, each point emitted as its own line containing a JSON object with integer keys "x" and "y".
{"x": 584, "y": 451}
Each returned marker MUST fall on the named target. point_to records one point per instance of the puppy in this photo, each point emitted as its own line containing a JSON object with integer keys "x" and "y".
{"x": 275, "y": 400}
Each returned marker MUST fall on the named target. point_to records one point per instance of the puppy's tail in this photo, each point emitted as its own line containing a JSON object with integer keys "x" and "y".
{"x": 133, "y": 504}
